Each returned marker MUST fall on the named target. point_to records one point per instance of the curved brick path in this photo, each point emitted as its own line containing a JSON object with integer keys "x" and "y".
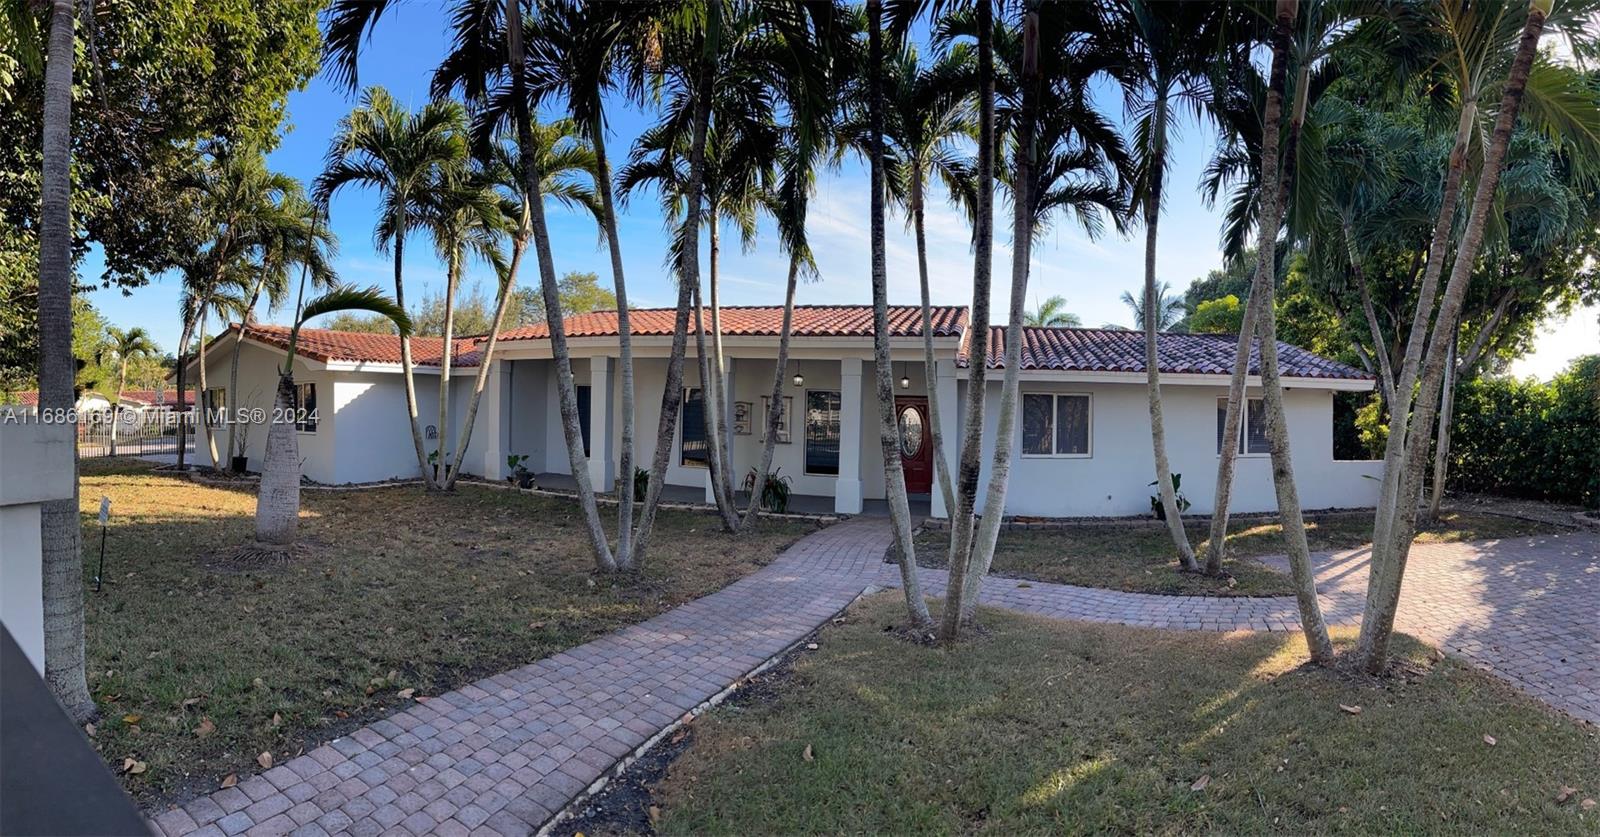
{"x": 503, "y": 755}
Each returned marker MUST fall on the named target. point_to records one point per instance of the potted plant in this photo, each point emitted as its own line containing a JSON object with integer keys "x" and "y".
{"x": 433, "y": 459}
{"x": 520, "y": 474}
{"x": 774, "y": 490}
{"x": 1159, "y": 510}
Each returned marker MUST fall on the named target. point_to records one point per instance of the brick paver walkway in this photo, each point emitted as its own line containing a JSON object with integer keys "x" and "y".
{"x": 502, "y": 755}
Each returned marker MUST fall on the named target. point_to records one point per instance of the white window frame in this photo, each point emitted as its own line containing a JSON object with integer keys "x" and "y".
{"x": 1055, "y": 396}
{"x": 1241, "y": 446}
{"x": 805, "y": 464}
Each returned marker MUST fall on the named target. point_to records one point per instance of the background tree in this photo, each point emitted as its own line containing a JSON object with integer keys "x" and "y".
{"x": 126, "y": 347}
{"x": 1167, "y": 312}
{"x": 1218, "y": 316}
{"x": 1053, "y": 313}
{"x": 580, "y": 293}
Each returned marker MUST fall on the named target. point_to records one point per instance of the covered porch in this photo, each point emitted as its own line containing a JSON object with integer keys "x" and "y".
{"x": 827, "y": 446}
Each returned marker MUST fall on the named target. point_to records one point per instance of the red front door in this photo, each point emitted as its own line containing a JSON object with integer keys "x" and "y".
{"x": 916, "y": 444}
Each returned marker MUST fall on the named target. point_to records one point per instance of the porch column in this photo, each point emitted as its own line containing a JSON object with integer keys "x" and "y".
{"x": 847, "y": 491}
{"x": 949, "y": 410}
{"x": 599, "y": 427}
{"x": 494, "y": 421}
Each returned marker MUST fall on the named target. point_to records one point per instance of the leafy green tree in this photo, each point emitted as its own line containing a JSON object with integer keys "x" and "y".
{"x": 580, "y": 292}
{"x": 1218, "y": 316}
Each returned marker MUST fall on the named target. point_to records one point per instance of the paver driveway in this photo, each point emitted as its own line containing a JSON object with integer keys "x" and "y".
{"x": 503, "y": 755}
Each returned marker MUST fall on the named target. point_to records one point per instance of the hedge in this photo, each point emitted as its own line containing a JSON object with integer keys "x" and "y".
{"x": 1530, "y": 439}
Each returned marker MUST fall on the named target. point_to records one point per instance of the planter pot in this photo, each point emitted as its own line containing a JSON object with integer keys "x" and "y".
{"x": 524, "y": 480}
{"x": 238, "y": 464}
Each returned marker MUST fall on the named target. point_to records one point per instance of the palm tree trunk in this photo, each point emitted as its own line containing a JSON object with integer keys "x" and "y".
{"x": 484, "y": 360}
{"x": 452, "y": 275}
{"x": 719, "y": 370}
{"x": 233, "y": 365}
{"x": 278, "y": 498}
{"x": 688, "y": 281}
{"x": 1405, "y": 384}
{"x": 1158, "y": 429}
{"x": 227, "y": 401}
{"x": 194, "y": 403}
{"x": 1441, "y": 447}
{"x": 1228, "y": 454}
{"x": 1389, "y": 556}
{"x": 969, "y": 467}
{"x": 888, "y": 428}
{"x": 116, "y": 410}
{"x": 406, "y": 367}
{"x": 625, "y": 462}
{"x": 994, "y": 503}
{"x": 713, "y": 426}
{"x": 566, "y": 391}
{"x": 1385, "y": 372}
{"x": 1227, "y": 457}
{"x": 1312, "y": 623}
{"x": 60, "y": 531}
{"x": 941, "y": 467}
{"x": 775, "y": 406}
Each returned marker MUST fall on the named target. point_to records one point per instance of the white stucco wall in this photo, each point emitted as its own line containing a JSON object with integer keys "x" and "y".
{"x": 37, "y": 469}
{"x": 257, "y": 389}
{"x": 1115, "y": 479}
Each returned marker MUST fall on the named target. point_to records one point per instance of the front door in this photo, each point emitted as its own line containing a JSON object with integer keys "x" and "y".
{"x": 916, "y": 444}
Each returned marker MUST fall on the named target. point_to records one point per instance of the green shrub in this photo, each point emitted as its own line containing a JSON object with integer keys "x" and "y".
{"x": 1530, "y": 439}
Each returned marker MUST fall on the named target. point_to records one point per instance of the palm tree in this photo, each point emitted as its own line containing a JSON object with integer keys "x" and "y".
{"x": 928, "y": 110}
{"x": 126, "y": 346}
{"x": 1053, "y": 313}
{"x": 1312, "y": 623}
{"x": 565, "y": 160}
{"x": 294, "y": 234}
{"x": 380, "y": 145}
{"x": 1068, "y": 159}
{"x": 467, "y": 217}
{"x": 204, "y": 294}
{"x": 1480, "y": 38}
{"x": 278, "y": 500}
{"x": 60, "y": 529}
{"x": 1169, "y": 45}
{"x": 888, "y": 427}
{"x": 1167, "y": 312}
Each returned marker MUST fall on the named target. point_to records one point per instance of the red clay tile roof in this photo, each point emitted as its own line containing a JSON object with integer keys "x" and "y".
{"x": 130, "y": 397}
{"x": 324, "y": 345}
{"x": 761, "y": 321}
{"x": 1111, "y": 350}
{"x": 21, "y": 398}
{"x": 151, "y": 398}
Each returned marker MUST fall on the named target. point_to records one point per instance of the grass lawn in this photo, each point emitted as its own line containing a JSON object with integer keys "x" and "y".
{"x": 1040, "y": 726}
{"x": 1141, "y": 559}
{"x": 199, "y": 669}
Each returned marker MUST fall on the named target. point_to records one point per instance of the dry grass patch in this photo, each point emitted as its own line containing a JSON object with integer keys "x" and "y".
{"x": 199, "y": 665}
{"x": 1141, "y": 559}
{"x": 1048, "y": 727}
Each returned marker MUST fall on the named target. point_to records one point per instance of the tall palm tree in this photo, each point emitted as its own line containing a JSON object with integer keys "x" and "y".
{"x": 278, "y": 499}
{"x": 205, "y": 294}
{"x": 382, "y": 146}
{"x": 1482, "y": 37}
{"x": 466, "y": 216}
{"x": 1167, "y": 312}
{"x": 127, "y": 345}
{"x": 888, "y": 426}
{"x": 928, "y": 112}
{"x": 566, "y": 162}
{"x": 1168, "y": 46}
{"x": 60, "y": 528}
{"x": 293, "y": 234}
{"x": 1312, "y": 623}
{"x": 1053, "y": 313}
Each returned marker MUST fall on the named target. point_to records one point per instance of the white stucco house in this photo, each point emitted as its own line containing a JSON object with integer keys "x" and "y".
{"x": 1083, "y": 442}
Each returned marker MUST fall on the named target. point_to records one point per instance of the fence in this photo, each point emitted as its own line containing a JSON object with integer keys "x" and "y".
{"x": 134, "y": 432}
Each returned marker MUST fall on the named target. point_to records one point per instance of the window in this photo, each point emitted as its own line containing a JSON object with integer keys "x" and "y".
{"x": 822, "y": 432}
{"x": 1253, "y": 439}
{"x": 583, "y": 416}
{"x": 692, "y": 429}
{"x": 1056, "y": 425}
{"x": 305, "y": 407}
{"x": 215, "y": 405}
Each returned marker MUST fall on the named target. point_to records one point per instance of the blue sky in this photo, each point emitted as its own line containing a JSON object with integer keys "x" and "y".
{"x": 408, "y": 43}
